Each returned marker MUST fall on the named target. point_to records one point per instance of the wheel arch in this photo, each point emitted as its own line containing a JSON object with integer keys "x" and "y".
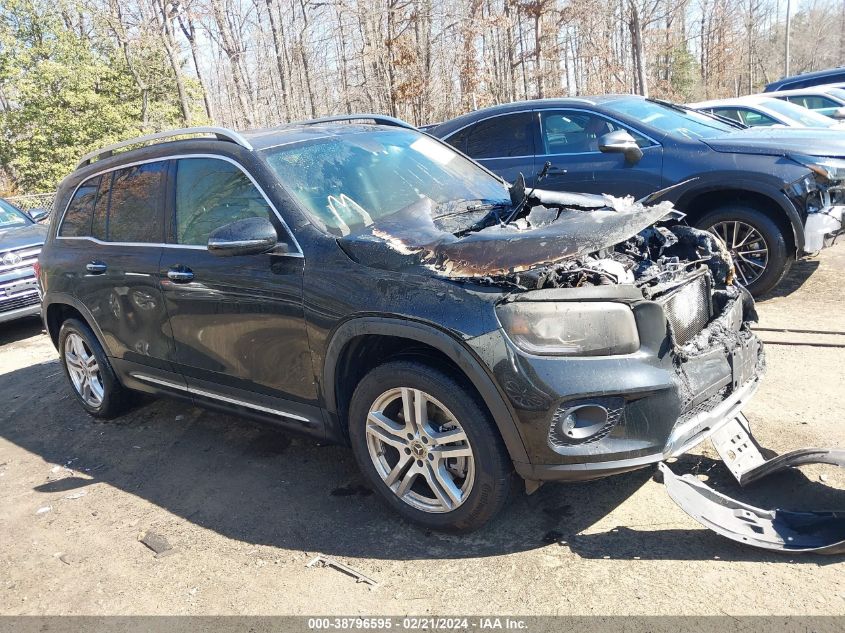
{"x": 60, "y": 308}
{"x": 396, "y": 338}
{"x": 697, "y": 202}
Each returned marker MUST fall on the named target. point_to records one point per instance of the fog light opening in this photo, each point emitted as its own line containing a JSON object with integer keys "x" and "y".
{"x": 585, "y": 421}
{"x": 582, "y": 422}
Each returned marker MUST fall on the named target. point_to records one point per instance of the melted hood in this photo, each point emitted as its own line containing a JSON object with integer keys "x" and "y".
{"x": 557, "y": 227}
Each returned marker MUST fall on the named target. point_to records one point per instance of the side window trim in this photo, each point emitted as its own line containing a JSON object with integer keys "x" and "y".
{"x": 601, "y": 115}
{"x": 175, "y": 157}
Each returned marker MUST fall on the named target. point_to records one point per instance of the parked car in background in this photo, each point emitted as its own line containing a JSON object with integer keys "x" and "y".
{"x": 826, "y": 100}
{"x": 808, "y": 80}
{"x": 367, "y": 284}
{"x": 770, "y": 193}
{"x": 764, "y": 111}
{"x": 21, "y": 239}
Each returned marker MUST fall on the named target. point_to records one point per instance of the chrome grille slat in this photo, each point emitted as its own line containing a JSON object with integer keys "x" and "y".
{"x": 19, "y": 301}
{"x": 28, "y": 254}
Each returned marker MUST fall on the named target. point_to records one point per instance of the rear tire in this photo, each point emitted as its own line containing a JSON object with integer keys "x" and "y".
{"x": 758, "y": 245}
{"x": 91, "y": 376}
{"x": 446, "y": 468}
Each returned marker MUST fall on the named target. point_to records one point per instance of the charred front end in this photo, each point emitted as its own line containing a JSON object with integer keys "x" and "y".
{"x": 626, "y": 355}
{"x": 623, "y": 337}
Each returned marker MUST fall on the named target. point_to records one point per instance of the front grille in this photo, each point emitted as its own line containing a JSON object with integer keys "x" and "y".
{"x": 18, "y": 301}
{"x": 19, "y": 258}
{"x": 688, "y": 308}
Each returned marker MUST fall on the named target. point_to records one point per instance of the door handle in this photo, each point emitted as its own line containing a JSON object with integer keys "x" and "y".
{"x": 557, "y": 170}
{"x": 180, "y": 274}
{"x": 96, "y": 267}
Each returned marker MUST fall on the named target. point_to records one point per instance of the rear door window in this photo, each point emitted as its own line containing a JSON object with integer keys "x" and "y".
{"x": 136, "y": 209}
{"x": 77, "y": 220}
{"x": 504, "y": 136}
{"x": 210, "y": 193}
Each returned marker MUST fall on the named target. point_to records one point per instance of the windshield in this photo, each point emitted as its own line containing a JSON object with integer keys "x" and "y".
{"x": 350, "y": 181}
{"x": 10, "y": 216}
{"x": 805, "y": 117}
{"x": 693, "y": 125}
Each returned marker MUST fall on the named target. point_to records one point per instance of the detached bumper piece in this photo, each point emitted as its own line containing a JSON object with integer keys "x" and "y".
{"x": 779, "y": 530}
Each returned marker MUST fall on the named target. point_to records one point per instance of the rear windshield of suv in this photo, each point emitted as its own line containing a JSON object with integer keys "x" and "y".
{"x": 350, "y": 181}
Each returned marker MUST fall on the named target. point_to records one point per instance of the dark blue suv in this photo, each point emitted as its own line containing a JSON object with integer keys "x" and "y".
{"x": 771, "y": 194}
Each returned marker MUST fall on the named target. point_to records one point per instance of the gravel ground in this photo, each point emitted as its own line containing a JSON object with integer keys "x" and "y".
{"x": 246, "y": 508}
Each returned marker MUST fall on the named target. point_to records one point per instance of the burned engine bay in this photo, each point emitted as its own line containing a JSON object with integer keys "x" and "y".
{"x": 546, "y": 240}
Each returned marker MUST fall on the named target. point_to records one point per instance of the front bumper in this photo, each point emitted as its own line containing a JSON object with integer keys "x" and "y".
{"x": 660, "y": 401}
{"x": 684, "y": 436}
{"x": 824, "y": 228}
{"x": 20, "y": 313}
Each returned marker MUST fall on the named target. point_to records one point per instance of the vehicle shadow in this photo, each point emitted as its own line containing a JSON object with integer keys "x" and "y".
{"x": 20, "y": 329}
{"x": 800, "y": 272}
{"x": 260, "y": 486}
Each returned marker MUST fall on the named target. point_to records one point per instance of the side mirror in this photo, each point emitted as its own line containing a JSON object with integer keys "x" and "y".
{"x": 839, "y": 113}
{"x": 38, "y": 214}
{"x": 621, "y": 142}
{"x": 251, "y": 236}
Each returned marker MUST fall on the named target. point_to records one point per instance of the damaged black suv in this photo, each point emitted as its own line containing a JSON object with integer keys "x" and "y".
{"x": 367, "y": 284}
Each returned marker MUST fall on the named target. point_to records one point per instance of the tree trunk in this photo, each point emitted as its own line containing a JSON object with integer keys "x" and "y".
{"x": 635, "y": 26}
{"x": 278, "y": 46}
{"x": 169, "y": 42}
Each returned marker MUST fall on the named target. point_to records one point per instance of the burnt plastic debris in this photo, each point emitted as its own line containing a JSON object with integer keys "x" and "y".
{"x": 775, "y": 529}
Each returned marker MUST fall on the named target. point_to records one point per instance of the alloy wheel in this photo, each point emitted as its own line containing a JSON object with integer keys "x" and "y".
{"x": 747, "y": 246}
{"x": 420, "y": 450}
{"x": 83, "y": 370}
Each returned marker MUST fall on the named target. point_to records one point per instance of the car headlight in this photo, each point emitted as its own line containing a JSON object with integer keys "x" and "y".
{"x": 827, "y": 170}
{"x": 595, "y": 328}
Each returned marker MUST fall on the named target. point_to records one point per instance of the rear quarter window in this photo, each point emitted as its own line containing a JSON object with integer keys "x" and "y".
{"x": 77, "y": 219}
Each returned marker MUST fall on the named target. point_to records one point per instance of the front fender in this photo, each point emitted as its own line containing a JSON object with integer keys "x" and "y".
{"x": 684, "y": 198}
{"x": 443, "y": 342}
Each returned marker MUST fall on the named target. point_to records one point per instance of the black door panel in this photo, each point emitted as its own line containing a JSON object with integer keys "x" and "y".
{"x": 119, "y": 271}
{"x": 240, "y": 320}
{"x": 237, "y": 322}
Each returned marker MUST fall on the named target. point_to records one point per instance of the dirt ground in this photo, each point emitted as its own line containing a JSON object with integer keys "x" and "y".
{"x": 246, "y": 508}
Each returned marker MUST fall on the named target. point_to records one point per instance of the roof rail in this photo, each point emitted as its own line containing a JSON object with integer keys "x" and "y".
{"x": 221, "y": 133}
{"x": 382, "y": 119}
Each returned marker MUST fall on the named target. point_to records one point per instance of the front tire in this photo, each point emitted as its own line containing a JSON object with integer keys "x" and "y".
{"x": 756, "y": 243}
{"x": 428, "y": 446}
{"x": 89, "y": 372}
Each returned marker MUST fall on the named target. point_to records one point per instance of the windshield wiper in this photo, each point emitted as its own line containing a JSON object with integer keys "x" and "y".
{"x": 670, "y": 104}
